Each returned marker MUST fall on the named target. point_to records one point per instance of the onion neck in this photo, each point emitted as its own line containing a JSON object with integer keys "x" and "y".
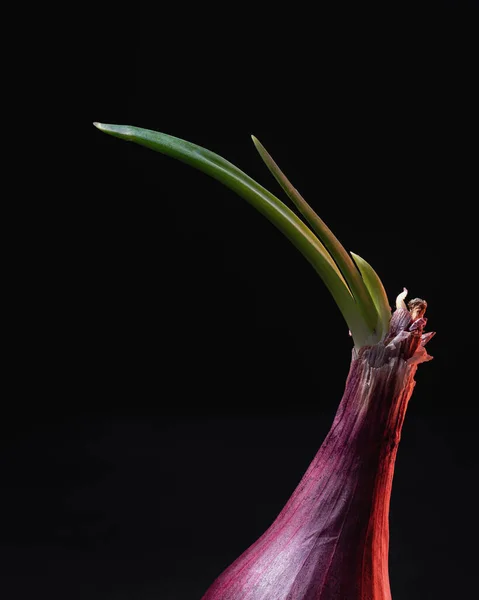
{"x": 359, "y": 456}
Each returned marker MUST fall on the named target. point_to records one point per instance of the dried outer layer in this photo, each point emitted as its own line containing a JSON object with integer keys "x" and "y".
{"x": 331, "y": 539}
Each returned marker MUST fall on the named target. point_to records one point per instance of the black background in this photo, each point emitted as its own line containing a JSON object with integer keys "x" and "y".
{"x": 184, "y": 361}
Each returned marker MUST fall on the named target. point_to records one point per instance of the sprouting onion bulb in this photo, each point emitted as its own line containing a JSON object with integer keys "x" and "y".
{"x": 331, "y": 540}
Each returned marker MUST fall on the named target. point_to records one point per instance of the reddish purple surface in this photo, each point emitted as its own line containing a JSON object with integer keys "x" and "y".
{"x": 331, "y": 539}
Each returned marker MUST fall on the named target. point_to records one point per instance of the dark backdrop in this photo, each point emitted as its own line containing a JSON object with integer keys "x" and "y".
{"x": 185, "y": 361}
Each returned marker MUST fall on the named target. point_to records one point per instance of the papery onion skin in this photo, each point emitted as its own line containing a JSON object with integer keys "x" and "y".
{"x": 331, "y": 540}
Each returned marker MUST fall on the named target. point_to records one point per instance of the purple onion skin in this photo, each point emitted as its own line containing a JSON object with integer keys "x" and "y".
{"x": 331, "y": 540}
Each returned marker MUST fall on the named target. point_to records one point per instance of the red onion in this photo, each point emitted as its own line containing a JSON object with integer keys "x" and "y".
{"x": 330, "y": 542}
{"x": 331, "y": 539}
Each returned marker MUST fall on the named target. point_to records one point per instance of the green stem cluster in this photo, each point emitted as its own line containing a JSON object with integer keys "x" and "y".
{"x": 355, "y": 286}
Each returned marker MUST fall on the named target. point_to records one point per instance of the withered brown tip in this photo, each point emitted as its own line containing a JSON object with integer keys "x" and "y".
{"x": 417, "y": 308}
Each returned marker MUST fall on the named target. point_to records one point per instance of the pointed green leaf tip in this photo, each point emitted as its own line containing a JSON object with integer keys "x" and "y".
{"x": 325, "y": 253}
{"x": 353, "y": 278}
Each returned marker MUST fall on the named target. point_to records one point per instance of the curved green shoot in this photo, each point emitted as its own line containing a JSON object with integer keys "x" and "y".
{"x": 376, "y": 290}
{"x": 353, "y": 278}
{"x": 268, "y": 205}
